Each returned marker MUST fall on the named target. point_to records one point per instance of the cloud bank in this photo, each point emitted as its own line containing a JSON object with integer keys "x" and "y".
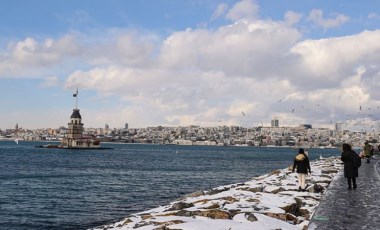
{"x": 208, "y": 77}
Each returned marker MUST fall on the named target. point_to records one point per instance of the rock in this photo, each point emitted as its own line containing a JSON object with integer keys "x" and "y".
{"x": 185, "y": 213}
{"x": 250, "y": 217}
{"x": 274, "y": 172}
{"x": 304, "y": 212}
{"x": 279, "y": 216}
{"x": 291, "y": 218}
{"x": 275, "y": 191}
{"x": 216, "y": 191}
{"x": 180, "y": 206}
{"x": 254, "y": 189}
{"x": 195, "y": 194}
{"x": 213, "y": 206}
{"x": 230, "y": 199}
{"x": 125, "y": 222}
{"x": 299, "y": 202}
{"x": 329, "y": 171}
{"x": 163, "y": 225}
{"x": 142, "y": 224}
{"x": 145, "y": 216}
{"x": 204, "y": 201}
{"x": 234, "y": 212}
{"x": 316, "y": 188}
{"x": 253, "y": 200}
{"x": 326, "y": 175}
{"x": 214, "y": 214}
{"x": 290, "y": 208}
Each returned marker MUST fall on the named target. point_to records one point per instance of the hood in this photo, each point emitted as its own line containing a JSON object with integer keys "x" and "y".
{"x": 300, "y": 157}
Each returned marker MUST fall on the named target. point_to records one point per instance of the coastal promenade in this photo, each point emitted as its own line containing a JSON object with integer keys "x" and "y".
{"x": 341, "y": 208}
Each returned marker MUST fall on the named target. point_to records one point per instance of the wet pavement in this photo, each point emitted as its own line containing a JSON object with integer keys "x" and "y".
{"x": 341, "y": 208}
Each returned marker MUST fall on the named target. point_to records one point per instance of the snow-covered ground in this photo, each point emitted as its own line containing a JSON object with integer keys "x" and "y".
{"x": 270, "y": 201}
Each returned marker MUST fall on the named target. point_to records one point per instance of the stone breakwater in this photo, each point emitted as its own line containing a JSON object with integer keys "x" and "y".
{"x": 270, "y": 201}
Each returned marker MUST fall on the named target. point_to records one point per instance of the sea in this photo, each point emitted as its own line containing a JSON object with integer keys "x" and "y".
{"x": 82, "y": 189}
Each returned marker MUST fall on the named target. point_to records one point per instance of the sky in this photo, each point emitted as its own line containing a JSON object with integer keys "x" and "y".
{"x": 192, "y": 62}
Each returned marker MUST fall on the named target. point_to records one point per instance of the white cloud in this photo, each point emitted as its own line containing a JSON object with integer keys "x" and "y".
{"x": 246, "y": 9}
{"x": 51, "y": 81}
{"x": 316, "y": 16}
{"x": 30, "y": 57}
{"x": 373, "y": 16}
{"x": 219, "y": 11}
{"x": 208, "y": 77}
{"x": 326, "y": 62}
{"x": 292, "y": 17}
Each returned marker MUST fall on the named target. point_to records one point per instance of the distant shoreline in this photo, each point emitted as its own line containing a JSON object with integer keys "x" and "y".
{"x": 245, "y": 146}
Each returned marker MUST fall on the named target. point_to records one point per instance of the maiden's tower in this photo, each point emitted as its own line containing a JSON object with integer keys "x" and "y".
{"x": 75, "y": 139}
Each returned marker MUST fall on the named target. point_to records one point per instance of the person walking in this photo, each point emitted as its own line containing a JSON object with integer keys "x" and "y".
{"x": 367, "y": 151}
{"x": 302, "y": 164}
{"x": 349, "y": 157}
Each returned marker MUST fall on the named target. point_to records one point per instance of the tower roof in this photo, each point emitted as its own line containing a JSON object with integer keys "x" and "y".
{"x": 76, "y": 114}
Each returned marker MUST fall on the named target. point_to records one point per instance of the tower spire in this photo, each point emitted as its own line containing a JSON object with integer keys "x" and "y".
{"x": 76, "y": 99}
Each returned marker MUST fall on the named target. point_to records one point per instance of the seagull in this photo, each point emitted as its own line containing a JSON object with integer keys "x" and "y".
{"x": 360, "y": 107}
{"x": 243, "y": 113}
{"x": 293, "y": 111}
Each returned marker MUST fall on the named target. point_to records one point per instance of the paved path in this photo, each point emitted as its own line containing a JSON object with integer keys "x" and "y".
{"x": 351, "y": 209}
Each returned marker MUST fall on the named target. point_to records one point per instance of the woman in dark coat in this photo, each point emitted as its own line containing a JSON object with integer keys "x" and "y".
{"x": 350, "y": 171}
{"x": 302, "y": 163}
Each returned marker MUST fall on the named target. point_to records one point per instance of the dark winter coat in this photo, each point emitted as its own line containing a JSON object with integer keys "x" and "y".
{"x": 301, "y": 163}
{"x": 348, "y": 160}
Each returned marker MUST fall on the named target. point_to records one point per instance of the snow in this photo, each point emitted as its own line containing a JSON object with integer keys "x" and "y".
{"x": 270, "y": 201}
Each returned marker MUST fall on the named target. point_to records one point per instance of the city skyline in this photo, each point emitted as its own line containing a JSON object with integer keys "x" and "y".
{"x": 196, "y": 62}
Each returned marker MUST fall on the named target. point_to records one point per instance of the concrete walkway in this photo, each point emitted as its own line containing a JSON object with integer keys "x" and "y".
{"x": 351, "y": 209}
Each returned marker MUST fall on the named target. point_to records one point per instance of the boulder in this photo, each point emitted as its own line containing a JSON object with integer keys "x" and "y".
{"x": 195, "y": 194}
{"x": 254, "y": 189}
{"x": 290, "y": 218}
{"x": 274, "y": 172}
{"x": 185, "y": 213}
{"x": 279, "y": 216}
{"x": 230, "y": 199}
{"x": 234, "y": 212}
{"x": 180, "y": 206}
{"x": 214, "y": 214}
{"x": 329, "y": 171}
{"x": 213, "y": 206}
{"x": 316, "y": 188}
{"x": 216, "y": 191}
{"x": 146, "y": 216}
{"x": 250, "y": 217}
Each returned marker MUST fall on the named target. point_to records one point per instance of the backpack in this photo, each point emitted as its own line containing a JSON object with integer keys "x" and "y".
{"x": 356, "y": 160}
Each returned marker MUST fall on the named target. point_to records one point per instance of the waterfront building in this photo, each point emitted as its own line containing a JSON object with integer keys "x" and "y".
{"x": 339, "y": 127}
{"x": 275, "y": 123}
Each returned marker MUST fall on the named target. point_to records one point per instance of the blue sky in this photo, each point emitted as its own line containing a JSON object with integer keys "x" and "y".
{"x": 168, "y": 62}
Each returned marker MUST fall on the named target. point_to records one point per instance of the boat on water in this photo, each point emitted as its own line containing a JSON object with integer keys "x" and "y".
{"x": 75, "y": 139}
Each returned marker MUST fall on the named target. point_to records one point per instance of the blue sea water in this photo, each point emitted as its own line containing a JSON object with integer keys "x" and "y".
{"x": 80, "y": 189}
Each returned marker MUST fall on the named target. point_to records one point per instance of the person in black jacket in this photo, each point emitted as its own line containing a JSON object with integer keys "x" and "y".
{"x": 350, "y": 171}
{"x": 301, "y": 162}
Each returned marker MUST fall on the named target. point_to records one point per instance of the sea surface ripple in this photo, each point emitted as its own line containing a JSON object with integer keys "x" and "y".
{"x": 80, "y": 189}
